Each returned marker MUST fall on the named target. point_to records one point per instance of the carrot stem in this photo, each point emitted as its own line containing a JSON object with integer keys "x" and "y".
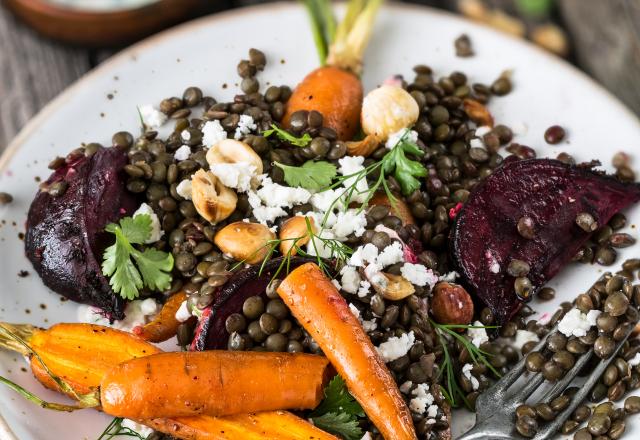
{"x": 9, "y": 342}
{"x": 86, "y": 401}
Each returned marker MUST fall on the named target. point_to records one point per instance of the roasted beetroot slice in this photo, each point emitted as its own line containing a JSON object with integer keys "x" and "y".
{"x": 211, "y": 333}
{"x": 485, "y": 239}
{"x": 65, "y": 239}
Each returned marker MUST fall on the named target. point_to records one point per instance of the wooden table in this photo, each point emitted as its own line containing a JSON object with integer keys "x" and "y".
{"x": 605, "y": 36}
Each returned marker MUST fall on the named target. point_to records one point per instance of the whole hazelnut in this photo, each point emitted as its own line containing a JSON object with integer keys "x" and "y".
{"x": 451, "y": 304}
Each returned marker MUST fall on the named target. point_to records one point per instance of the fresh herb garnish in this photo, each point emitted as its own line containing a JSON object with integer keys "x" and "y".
{"x": 284, "y": 135}
{"x": 311, "y": 175}
{"x": 115, "y": 428}
{"x": 153, "y": 266}
{"x": 404, "y": 169}
{"x": 338, "y": 413}
{"x": 450, "y": 388}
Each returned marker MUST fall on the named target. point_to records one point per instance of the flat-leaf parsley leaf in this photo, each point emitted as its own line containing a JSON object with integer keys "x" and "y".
{"x": 311, "y": 175}
{"x": 153, "y": 268}
{"x": 338, "y": 413}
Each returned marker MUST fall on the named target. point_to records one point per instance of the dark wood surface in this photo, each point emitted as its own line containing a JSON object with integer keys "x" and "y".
{"x": 604, "y": 35}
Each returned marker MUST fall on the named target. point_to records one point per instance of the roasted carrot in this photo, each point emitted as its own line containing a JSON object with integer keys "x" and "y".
{"x": 215, "y": 383}
{"x": 82, "y": 354}
{"x": 335, "y": 89}
{"x": 324, "y": 313}
{"x": 164, "y": 325}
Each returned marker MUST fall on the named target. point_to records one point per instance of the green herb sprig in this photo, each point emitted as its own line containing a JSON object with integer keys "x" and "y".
{"x": 285, "y": 136}
{"x": 115, "y": 429}
{"x": 338, "y": 413}
{"x": 451, "y": 389}
{"x": 153, "y": 268}
{"x": 311, "y": 175}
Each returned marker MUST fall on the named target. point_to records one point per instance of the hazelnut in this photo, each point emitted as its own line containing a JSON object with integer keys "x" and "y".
{"x": 451, "y": 304}
{"x": 213, "y": 201}
{"x": 477, "y": 112}
{"x": 387, "y": 110}
{"x": 391, "y": 287}
{"x": 233, "y": 151}
{"x": 295, "y": 227}
{"x": 363, "y": 147}
{"x": 243, "y": 241}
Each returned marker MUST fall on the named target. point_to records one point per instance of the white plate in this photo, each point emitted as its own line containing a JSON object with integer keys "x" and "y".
{"x": 205, "y": 53}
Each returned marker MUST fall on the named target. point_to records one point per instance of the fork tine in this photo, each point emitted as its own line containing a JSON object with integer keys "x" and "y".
{"x": 560, "y": 385}
{"x": 530, "y": 387}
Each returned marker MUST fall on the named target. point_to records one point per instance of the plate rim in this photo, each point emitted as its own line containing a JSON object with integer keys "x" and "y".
{"x": 6, "y": 433}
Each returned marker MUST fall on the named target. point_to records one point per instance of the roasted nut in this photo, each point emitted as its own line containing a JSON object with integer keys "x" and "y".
{"x": 386, "y": 110}
{"x": 391, "y": 287}
{"x": 213, "y": 201}
{"x": 294, "y": 231}
{"x": 243, "y": 241}
{"x": 398, "y": 208}
{"x": 232, "y": 151}
{"x": 477, "y": 112}
{"x": 451, "y": 304}
{"x": 363, "y": 147}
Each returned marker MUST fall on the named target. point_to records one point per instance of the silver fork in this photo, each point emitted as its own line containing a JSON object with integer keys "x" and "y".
{"x": 495, "y": 408}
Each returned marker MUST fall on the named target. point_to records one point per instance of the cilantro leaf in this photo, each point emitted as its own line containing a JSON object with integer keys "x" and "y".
{"x": 153, "y": 266}
{"x": 339, "y": 424}
{"x": 338, "y": 413}
{"x": 405, "y": 170}
{"x": 284, "y": 135}
{"x": 311, "y": 175}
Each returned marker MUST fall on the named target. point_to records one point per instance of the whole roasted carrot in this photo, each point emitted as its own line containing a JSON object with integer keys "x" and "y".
{"x": 215, "y": 383}
{"x": 335, "y": 89}
{"x": 324, "y": 313}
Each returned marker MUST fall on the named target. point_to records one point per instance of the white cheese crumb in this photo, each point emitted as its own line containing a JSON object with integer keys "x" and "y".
{"x": 185, "y": 135}
{"x": 466, "y": 371}
{"x": 369, "y": 325}
{"x": 137, "y": 312}
{"x": 354, "y": 311}
{"x": 422, "y": 400}
{"x": 449, "y": 277}
{"x": 236, "y": 175}
{"x": 323, "y": 200}
{"x": 269, "y": 201}
{"x": 143, "y": 430}
{"x": 418, "y": 274}
{"x": 183, "y": 312}
{"x": 156, "y": 231}
{"x": 522, "y": 337}
{"x": 151, "y": 117}
{"x": 212, "y": 133}
{"x": 184, "y": 189}
{"x": 245, "y": 126}
{"x": 364, "y": 288}
{"x": 367, "y": 436}
{"x": 394, "y": 138}
{"x": 577, "y": 323}
{"x": 406, "y": 387}
{"x": 337, "y": 284}
{"x": 476, "y": 143}
{"x": 482, "y": 130}
{"x": 635, "y": 360}
{"x": 182, "y": 153}
{"x": 350, "y": 165}
{"x": 391, "y": 254}
{"x": 350, "y": 222}
{"x": 478, "y": 335}
{"x": 364, "y": 254}
{"x": 396, "y": 347}
{"x": 432, "y": 411}
{"x": 350, "y": 279}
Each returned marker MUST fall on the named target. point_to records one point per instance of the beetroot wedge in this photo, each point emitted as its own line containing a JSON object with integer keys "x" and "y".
{"x": 65, "y": 238}
{"x": 485, "y": 238}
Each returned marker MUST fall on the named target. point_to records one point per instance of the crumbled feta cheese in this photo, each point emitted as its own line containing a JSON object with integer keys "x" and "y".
{"x": 367, "y": 436}
{"x": 185, "y": 135}
{"x": 634, "y": 361}
{"x": 182, "y": 153}
{"x": 396, "y": 347}
{"x": 137, "y": 312}
{"x": 364, "y": 288}
{"x": 245, "y": 126}
{"x": 422, "y": 400}
{"x": 350, "y": 222}
{"x": 406, "y": 387}
{"x": 476, "y": 143}
{"x": 522, "y": 337}
{"x": 394, "y": 138}
{"x": 156, "y": 231}
{"x": 269, "y": 201}
{"x": 418, "y": 274}
{"x": 354, "y": 310}
{"x": 318, "y": 247}
{"x": 432, "y": 411}
{"x": 350, "y": 165}
{"x": 449, "y": 277}
{"x": 236, "y": 175}
{"x": 323, "y": 200}
{"x": 478, "y": 335}
{"x": 482, "y": 130}
{"x": 466, "y": 371}
{"x": 151, "y": 117}
{"x": 184, "y": 189}
{"x": 391, "y": 254}
{"x": 212, "y": 133}
{"x": 183, "y": 312}
{"x": 364, "y": 254}
{"x": 143, "y": 430}
{"x": 577, "y": 323}
{"x": 369, "y": 325}
{"x": 337, "y": 284}
{"x": 350, "y": 279}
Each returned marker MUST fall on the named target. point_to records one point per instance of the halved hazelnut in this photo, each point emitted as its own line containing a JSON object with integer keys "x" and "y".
{"x": 398, "y": 208}
{"x": 232, "y": 151}
{"x": 392, "y": 287}
{"x": 477, "y": 112}
{"x": 292, "y": 229}
{"x": 363, "y": 147}
{"x": 213, "y": 201}
{"x": 244, "y": 241}
{"x": 451, "y": 304}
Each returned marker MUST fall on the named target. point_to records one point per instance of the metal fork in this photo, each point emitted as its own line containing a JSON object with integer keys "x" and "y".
{"x": 495, "y": 408}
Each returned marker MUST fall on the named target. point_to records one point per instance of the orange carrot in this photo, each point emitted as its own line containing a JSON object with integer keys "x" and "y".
{"x": 324, "y": 313}
{"x": 215, "y": 383}
{"x": 164, "y": 325}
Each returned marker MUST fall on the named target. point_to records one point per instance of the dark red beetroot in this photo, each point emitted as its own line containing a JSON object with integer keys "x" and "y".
{"x": 211, "y": 333}
{"x": 485, "y": 239}
{"x": 65, "y": 238}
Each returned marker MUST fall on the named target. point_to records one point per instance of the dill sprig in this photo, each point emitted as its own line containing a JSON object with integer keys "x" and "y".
{"x": 115, "y": 429}
{"x": 450, "y": 388}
